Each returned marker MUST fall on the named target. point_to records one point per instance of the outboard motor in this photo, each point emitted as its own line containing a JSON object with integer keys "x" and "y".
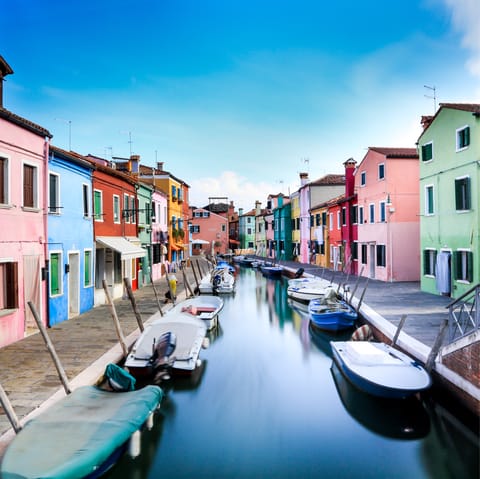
{"x": 299, "y": 273}
{"x": 163, "y": 349}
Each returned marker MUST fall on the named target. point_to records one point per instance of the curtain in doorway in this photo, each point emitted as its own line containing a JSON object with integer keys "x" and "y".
{"x": 32, "y": 288}
{"x": 442, "y": 274}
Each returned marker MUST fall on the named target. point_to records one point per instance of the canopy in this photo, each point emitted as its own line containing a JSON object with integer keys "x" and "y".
{"x": 126, "y": 249}
{"x": 200, "y": 241}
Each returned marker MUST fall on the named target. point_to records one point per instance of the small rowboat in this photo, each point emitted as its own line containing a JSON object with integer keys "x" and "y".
{"x": 334, "y": 315}
{"x": 204, "y": 307}
{"x": 380, "y": 369}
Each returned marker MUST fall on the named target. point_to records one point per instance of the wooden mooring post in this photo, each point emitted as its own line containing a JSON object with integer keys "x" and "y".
{"x": 399, "y": 328}
{"x": 128, "y": 287}
{"x": 116, "y": 322}
{"x": 9, "y": 411}
{"x": 187, "y": 284}
{"x": 436, "y": 346}
{"x": 51, "y": 348}
{"x": 156, "y": 295}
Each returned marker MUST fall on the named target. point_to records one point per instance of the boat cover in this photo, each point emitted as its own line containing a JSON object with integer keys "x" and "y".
{"x": 76, "y": 435}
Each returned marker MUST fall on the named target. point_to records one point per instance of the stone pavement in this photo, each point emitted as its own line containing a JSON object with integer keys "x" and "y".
{"x": 85, "y": 344}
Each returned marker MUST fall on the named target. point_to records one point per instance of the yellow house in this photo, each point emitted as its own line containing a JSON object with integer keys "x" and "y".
{"x": 295, "y": 215}
{"x": 177, "y": 210}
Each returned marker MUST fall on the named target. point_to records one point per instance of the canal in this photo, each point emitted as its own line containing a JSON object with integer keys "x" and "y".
{"x": 269, "y": 403}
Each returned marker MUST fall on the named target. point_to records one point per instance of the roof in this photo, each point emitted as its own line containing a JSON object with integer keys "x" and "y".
{"x": 329, "y": 180}
{"x": 144, "y": 170}
{"x": 395, "y": 152}
{"x": 24, "y": 123}
{"x": 73, "y": 157}
{"x": 5, "y": 68}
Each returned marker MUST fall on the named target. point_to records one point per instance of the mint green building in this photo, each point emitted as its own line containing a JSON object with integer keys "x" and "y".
{"x": 449, "y": 151}
{"x": 144, "y": 202}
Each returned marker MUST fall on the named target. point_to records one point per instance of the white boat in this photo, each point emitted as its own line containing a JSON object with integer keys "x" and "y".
{"x": 379, "y": 369}
{"x": 217, "y": 281}
{"x": 305, "y": 289}
{"x": 189, "y": 333}
{"x": 205, "y": 308}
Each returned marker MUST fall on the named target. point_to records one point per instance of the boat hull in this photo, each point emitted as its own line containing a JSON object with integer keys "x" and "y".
{"x": 338, "y": 317}
{"x": 80, "y": 435}
{"x": 379, "y": 369}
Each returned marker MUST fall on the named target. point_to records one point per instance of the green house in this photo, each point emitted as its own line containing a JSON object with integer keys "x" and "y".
{"x": 282, "y": 219}
{"x": 449, "y": 151}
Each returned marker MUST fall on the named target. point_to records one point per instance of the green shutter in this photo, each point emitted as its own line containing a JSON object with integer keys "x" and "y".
{"x": 87, "y": 266}
{"x": 467, "y": 136}
{"x": 54, "y": 274}
{"x": 469, "y": 266}
{"x": 467, "y": 193}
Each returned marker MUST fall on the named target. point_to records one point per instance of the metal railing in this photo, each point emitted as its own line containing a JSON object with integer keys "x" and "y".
{"x": 464, "y": 314}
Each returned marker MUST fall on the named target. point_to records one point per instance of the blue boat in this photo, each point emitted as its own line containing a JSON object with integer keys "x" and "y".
{"x": 80, "y": 436}
{"x": 271, "y": 270}
{"x": 335, "y": 315}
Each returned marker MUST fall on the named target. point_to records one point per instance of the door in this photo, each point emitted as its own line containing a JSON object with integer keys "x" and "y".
{"x": 372, "y": 260}
{"x": 73, "y": 284}
{"x": 32, "y": 289}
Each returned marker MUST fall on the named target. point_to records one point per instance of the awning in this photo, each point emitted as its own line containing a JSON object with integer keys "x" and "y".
{"x": 200, "y": 241}
{"x": 126, "y": 249}
{"x": 175, "y": 247}
{"x": 234, "y": 241}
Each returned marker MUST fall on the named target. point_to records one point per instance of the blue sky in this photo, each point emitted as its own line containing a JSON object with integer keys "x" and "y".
{"x": 237, "y": 97}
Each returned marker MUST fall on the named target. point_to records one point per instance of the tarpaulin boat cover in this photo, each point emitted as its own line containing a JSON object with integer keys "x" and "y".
{"x": 76, "y": 435}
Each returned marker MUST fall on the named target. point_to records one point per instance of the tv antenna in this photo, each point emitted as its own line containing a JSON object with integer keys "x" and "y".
{"x": 69, "y": 122}
{"x": 434, "y": 97}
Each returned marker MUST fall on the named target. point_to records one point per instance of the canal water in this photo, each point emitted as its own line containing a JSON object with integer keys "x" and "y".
{"x": 269, "y": 403}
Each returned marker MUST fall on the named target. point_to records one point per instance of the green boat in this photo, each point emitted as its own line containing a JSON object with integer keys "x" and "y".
{"x": 80, "y": 436}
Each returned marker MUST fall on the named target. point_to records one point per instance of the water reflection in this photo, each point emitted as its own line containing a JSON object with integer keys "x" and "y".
{"x": 269, "y": 403}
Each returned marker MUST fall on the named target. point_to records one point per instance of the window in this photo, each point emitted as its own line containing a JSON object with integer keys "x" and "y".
{"x": 463, "y": 138}
{"x": 324, "y": 218}
{"x": 249, "y": 231}
{"x": 344, "y": 216}
{"x": 224, "y": 227}
{"x": 383, "y": 215}
{"x": 363, "y": 178}
{"x": 195, "y": 229}
{"x": 30, "y": 186}
{"x": 86, "y": 201}
{"x": 463, "y": 265}
{"x": 364, "y": 254}
{"x": 206, "y": 214}
{"x": 330, "y": 226}
{"x": 116, "y": 209}
{"x": 338, "y": 219}
{"x": 197, "y": 214}
{"x": 4, "y": 200}
{"x": 54, "y": 193}
{"x": 381, "y": 256}
{"x": 371, "y": 208}
{"x": 174, "y": 192}
{"x": 462, "y": 193}
{"x": 98, "y": 205}
{"x": 354, "y": 214}
{"x": 133, "y": 210}
{"x": 56, "y": 264}
{"x": 87, "y": 261}
{"x": 429, "y": 261}
{"x": 317, "y": 219}
{"x": 8, "y": 285}
{"x": 429, "y": 204}
{"x": 126, "y": 208}
{"x": 354, "y": 250}
{"x": 427, "y": 152}
{"x": 360, "y": 215}
{"x": 381, "y": 171}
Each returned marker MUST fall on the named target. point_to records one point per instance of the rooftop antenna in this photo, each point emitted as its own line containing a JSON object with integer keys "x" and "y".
{"x": 307, "y": 162}
{"x": 434, "y": 97}
{"x": 69, "y": 122}
{"x": 129, "y": 140}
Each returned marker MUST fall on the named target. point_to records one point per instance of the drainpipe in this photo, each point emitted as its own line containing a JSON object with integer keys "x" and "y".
{"x": 46, "y": 154}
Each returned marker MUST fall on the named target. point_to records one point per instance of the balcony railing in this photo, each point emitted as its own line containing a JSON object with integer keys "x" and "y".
{"x": 464, "y": 314}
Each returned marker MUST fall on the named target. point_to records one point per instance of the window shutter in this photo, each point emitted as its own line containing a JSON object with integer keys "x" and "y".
{"x": 467, "y": 193}
{"x": 467, "y": 136}
{"x": 426, "y": 267}
{"x": 457, "y": 264}
{"x": 54, "y": 274}
{"x": 469, "y": 266}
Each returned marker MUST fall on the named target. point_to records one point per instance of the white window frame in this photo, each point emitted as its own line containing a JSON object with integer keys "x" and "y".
{"x": 92, "y": 268}
{"x": 6, "y": 178}
{"x": 116, "y": 209}
{"x": 382, "y": 211}
{"x": 383, "y": 176}
{"x": 338, "y": 220}
{"x": 126, "y": 207}
{"x": 427, "y": 188}
{"x": 54, "y": 209}
{"x": 432, "y": 252}
{"x": 330, "y": 221}
{"x": 457, "y": 138}
{"x": 35, "y": 185}
{"x": 59, "y": 271}
{"x": 86, "y": 200}
{"x": 361, "y": 217}
{"x": 371, "y": 213}
{"x": 363, "y": 178}
{"x": 421, "y": 152}
{"x": 100, "y": 214}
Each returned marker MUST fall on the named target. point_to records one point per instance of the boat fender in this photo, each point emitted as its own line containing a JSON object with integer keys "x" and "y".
{"x": 205, "y": 343}
{"x": 299, "y": 272}
{"x": 363, "y": 333}
{"x": 134, "y": 444}
{"x": 217, "y": 280}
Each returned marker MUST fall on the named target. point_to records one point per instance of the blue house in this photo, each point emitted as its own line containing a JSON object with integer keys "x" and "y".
{"x": 70, "y": 236}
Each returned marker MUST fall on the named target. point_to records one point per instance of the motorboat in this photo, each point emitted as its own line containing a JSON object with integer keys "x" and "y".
{"x": 380, "y": 369}
{"x": 271, "y": 270}
{"x": 305, "y": 289}
{"x": 201, "y": 307}
{"x": 82, "y": 435}
{"x": 150, "y": 352}
{"x": 331, "y": 314}
{"x": 217, "y": 281}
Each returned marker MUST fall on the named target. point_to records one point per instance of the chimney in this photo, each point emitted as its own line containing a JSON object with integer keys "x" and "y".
{"x": 4, "y": 71}
{"x": 160, "y": 165}
{"x": 350, "y": 166}
{"x": 240, "y": 211}
{"x": 303, "y": 179}
{"x": 426, "y": 121}
{"x": 258, "y": 207}
{"x": 133, "y": 163}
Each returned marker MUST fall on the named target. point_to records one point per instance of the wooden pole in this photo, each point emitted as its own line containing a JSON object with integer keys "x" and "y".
{"x": 194, "y": 274}
{"x": 51, "y": 349}
{"x": 399, "y": 328}
{"x": 187, "y": 284}
{"x": 436, "y": 347}
{"x": 363, "y": 294}
{"x": 128, "y": 286}
{"x": 116, "y": 322}
{"x": 7, "y": 407}
{"x": 156, "y": 295}
{"x": 356, "y": 285}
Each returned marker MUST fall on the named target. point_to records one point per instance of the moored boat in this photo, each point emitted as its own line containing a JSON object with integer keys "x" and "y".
{"x": 81, "y": 435}
{"x": 271, "y": 270}
{"x": 331, "y": 315}
{"x": 189, "y": 333}
{"x": 217, "y": 281}
{"x": 204, "y": 307}
{"x": 305, "y": 289}
{"x": 379, "y": 369}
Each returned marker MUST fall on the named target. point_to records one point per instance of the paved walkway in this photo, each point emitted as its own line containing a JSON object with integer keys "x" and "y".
{"x": 85, "y": 344}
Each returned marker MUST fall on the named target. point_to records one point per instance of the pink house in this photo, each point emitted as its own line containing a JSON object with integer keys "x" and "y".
{"x": 24, "y": 150}
{"x": 386, "y": 183}
{"x": 209, "y": 232}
